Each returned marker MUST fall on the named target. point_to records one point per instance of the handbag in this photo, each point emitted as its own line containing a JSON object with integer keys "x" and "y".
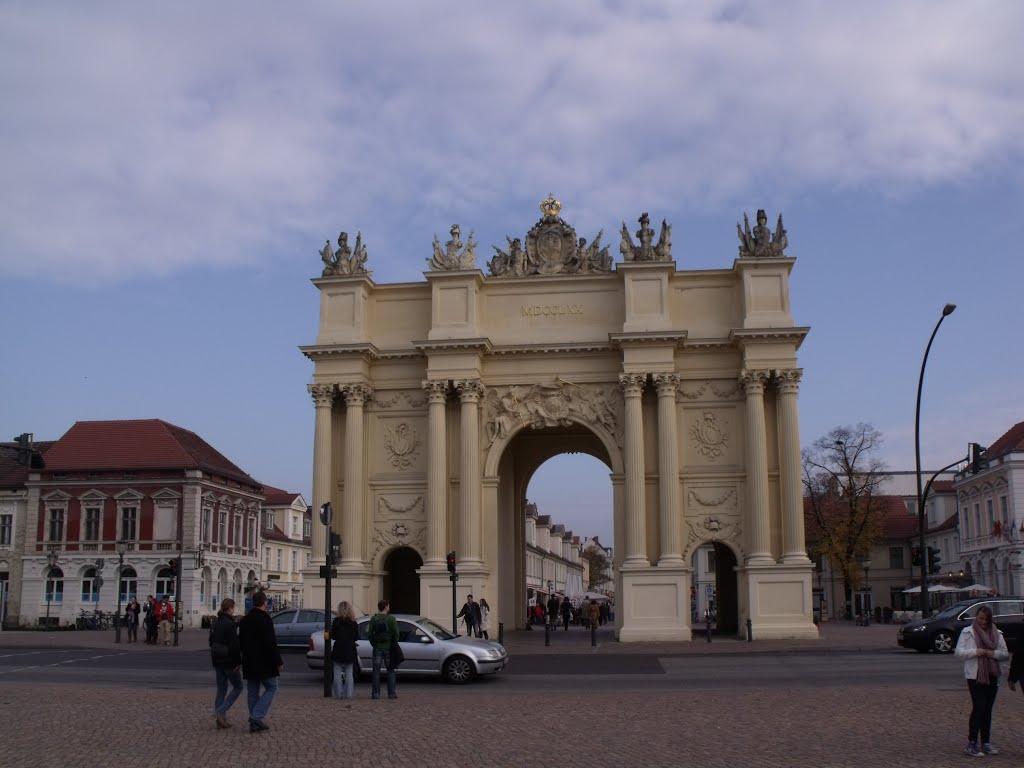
{"x": 397, "y": 656}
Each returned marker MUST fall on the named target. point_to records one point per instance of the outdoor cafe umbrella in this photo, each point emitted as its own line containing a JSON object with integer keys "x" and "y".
{"x": 932, "y": 588}
{"x": 595, "y": 596}
{"x": 975, "y": 588}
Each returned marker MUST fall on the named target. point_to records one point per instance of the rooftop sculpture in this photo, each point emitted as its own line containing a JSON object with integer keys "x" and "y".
{"x": 454, "y": 255}
{"x": 761, "y": 242}
{"x": 344, "y": 261}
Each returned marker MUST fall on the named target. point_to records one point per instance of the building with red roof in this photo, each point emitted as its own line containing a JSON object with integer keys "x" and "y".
{"x": 158, "y": 490}
{"x": 286, "y": 532}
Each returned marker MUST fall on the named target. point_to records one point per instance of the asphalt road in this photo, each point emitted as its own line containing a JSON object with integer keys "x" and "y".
{"x": 189, "y": 669}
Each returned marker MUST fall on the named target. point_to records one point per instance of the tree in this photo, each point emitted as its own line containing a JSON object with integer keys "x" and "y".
{"x": 842, "y": 476}
{"x": 598, "y": 567}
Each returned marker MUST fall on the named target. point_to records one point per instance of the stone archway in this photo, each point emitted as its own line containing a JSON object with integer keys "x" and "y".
{"x": 401, "y": 582}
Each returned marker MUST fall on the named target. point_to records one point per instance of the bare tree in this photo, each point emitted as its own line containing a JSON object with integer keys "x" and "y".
{"x": 842, "y": 476}
{"x": 598, "y": 567}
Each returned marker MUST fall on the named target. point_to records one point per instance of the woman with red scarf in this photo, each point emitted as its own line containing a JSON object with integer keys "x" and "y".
{"x": 982, "y": 647}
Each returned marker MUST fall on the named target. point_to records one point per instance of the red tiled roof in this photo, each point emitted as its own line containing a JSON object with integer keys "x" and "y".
{"x": 13, "y": 474}
{"x": 951, "y": 523}
{"x": 942, "y": 486}
{"x": 277, "y": 497}
{"x": 138, "y": 444}
{"x": 897, "y": 521}
{"x": 1013, "y": 440}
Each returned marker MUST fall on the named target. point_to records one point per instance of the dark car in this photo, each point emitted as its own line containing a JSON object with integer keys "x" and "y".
{"x": 941, "y": 632}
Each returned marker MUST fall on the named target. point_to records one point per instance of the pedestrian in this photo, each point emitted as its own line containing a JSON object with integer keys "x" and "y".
{"x": 982, "y": 647}
{"x": 585, "y": 613}
{"x": 553, "y": 610}
{"x": 165, "y": 616}
{"x": 383, "y": 631}
{"x": 470, "y": 613}
{"x": 261, "y": 660}
{"x": 1016, "y": 674}
{"x": 594, "y": 613}
{"x": 344, "y": 633}
{"x": 604, "y": 613}
{"x": 485, "y": 619}
{"x": 131, "y": 619}
{"x": 149, "y": 623}
{"x": 226, "y": 656}
{"x": 566, "y": 612}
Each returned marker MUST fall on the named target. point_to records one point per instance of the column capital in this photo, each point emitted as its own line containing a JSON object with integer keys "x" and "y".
{"x": 632, "y": 383}
{"x": 322, "y": 394}
{"x": 356, "y": 393}
{"x": 788, "y": 380}
{"x": 470, "y": 390}
{"x": 666, "y": 383}
{"x": 436, "y": 389}
{"x": 753, "y": 381}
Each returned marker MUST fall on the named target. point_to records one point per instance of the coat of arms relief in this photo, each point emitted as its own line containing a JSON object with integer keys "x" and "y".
{"x": 551, "y": 405}
{"x": 401, "y": 444}
{"x": 712, "y": 514}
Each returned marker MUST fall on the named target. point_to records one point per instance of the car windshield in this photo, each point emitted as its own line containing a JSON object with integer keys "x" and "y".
{"x": 438, "y": 631}
{"x": 953, "y": 610}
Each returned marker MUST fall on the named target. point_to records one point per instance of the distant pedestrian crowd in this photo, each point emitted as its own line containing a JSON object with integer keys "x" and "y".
{"x": 590, "y": 612}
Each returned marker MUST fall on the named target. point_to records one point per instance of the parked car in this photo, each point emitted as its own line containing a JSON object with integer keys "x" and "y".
{"x": 941, "y": 632}
{"x": 294, "y": 626}
{"x": 429, "y": 649}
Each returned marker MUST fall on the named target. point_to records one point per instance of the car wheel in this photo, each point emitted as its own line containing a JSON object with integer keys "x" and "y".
{"x": 942, "y": 642}
{"x": 458, "y": 670}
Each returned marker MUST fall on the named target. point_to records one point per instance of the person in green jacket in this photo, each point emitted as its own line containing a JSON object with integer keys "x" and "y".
{"x": 382, "y": 632}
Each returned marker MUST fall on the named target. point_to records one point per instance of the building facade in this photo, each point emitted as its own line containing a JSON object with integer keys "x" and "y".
{"x": 286, "y": 541}
{"x": 553, "y": 563}
{"x": 436, "y": 402}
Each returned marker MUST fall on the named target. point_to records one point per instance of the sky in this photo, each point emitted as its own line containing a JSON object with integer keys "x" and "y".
{"x": 168, "y": 174}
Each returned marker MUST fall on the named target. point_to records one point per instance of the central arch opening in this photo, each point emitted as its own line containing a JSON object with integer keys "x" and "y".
{"x": 401, "y": 582}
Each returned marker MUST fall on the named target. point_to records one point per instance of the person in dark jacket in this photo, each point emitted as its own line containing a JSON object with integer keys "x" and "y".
{"x": 149, "y": 623}
{"x": 382, "y": 647}
{"x": 566, "y": 609}
{"x": 131, "y": 619}
{"x": 470, "y": 613}
{"x": 554, "y": 607}
{"x": 261, "y": 660}
{"x": 226, "y": 655}
{"x": 344, "y": 633}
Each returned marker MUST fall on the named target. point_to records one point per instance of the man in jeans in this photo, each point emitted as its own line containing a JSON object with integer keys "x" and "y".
{"x": 382, "y": 632}
{"x": 261, "y": 660}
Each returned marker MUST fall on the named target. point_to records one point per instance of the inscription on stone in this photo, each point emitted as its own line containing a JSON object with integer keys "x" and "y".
{"x": 550, "y": 310}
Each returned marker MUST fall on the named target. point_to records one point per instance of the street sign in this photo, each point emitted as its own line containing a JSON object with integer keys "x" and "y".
{"x": 710, "y": 590}
{"x": 98, "y": 582}
{"x": 323, "y": 572}
{"x": 325, "y": 513}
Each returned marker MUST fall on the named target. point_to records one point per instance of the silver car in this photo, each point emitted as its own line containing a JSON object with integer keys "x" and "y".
{"x": 429, "y": 649}
{"x": 292, "y": 626}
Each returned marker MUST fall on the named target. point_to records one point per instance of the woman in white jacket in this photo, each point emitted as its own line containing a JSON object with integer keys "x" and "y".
{"x": 982, "y": 647}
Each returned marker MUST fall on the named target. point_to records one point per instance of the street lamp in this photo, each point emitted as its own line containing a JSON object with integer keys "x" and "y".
{"x": 866, "y": 564}
{"x": 121, "y": 547}
{"x": 51, "y": 563}
{"x": 946, "y": 312}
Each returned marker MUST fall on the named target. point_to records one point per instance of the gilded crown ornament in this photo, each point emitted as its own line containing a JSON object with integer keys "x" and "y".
{"x": 550, "y": 206}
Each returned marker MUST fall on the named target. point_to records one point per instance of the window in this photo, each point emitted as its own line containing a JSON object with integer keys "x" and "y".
{"x": 90, "y": 593}
{"x": 222, "y": 528}
{"x": 129, "y": 523}
{"x": 295, "y": 561}
{"x": 164, "y": 584}
{"x": 295, "y": 525}
{"x": 92, "y": 524}
{"x": 711, "y": 561}
{"x": 307, "y": 529}
{"x": 991, "y": 514}
{"x": 267, "y": 564}
{"x": 279, "y": 559}
{"x": 977, "y": 521}
{"x": 207, "y": 531}
{"x": 55, "y": 585}
{"x": 6, "y": 530}
{"x": 268, "y": 520}
{"x": 309, "y": 556}
{"x": 55, "y": 530}
{"x": 252, "y": 533}
{"x": 1004, "y": 510}
{"x": 237, "y": 540}
{"x": 129, "y": 584}
{"x": 896, "y": 558}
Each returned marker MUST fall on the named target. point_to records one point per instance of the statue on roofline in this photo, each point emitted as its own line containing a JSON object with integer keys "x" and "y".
{"x": 761, "y": 242}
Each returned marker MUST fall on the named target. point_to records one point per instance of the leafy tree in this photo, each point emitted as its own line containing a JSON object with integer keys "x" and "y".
{"x": 842, "y": 476}
{"x": 598, "y": 567}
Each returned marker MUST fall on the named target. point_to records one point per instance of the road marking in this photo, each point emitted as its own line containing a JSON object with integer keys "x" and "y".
{"x": 59, "y": 663}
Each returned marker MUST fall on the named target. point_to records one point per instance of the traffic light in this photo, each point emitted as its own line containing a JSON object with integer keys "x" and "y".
{"x": 450, "y": 558}
{"x": 934, "y": 560}
{"x": 24, "y": 441}
{"x": 173, "y": 566}
{"x": 335, "y": 548}
{"x": 915, "y": 556}
{"x": 975, "y": 457}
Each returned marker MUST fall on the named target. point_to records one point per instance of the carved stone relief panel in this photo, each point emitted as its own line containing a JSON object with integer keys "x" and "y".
{"x": 400, "y": 444}
{"x": 399, "y": 506}
{"x": 712, "y": 513}
{"x": 705, "y": 390}
{"x": 400, "y": 533}
{"x": 710, "y": 436}
{"x": 401, "y": 399}
{"x": 506, "y": 409}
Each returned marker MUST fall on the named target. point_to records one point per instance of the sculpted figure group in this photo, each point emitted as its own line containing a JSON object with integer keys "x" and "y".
{"x": 647, "y": 250}
{"x": 344, "y": 261}
{"x": 454, "y": 255}
{"x": 761, "y": 241}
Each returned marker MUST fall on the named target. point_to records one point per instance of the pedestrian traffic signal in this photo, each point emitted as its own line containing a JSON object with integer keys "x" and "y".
{"x": 934, "y": 560}
{"x": 915, "y": 556}
{"x": 450, "y": 558}
{"x": 173, "y": 566}
{"x": 335, "y": 548}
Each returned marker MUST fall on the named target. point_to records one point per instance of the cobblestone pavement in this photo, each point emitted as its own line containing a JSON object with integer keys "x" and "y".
{"x": 905, "y": 727}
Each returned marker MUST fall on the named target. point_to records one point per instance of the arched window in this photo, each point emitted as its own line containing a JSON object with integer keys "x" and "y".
{"x": 55, "y": 585}
{"x": 129, "y": 583}
{"x": 90, "y": 594}
{"x": 222, "y": 586}
{"x": 164, "y": 584}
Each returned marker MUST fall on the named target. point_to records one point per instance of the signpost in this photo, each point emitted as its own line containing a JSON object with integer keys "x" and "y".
{"x": 327, "y": 571}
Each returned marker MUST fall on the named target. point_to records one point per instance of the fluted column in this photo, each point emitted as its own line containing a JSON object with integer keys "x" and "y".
{"x": 470, "y": 391}
{"x": 668, "y": 470}
{"x": 356, "y": 396}
{"x": 757, "y": 468}
{"x": 437, "y": 471}
{"x": 636, "y": 524}
{"x": 787, "y": 384}
{"x": 323, "y": 400}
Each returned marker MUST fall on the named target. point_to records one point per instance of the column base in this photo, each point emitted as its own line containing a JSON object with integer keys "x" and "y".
{"x": 778, "y": 601}
{"x": 356, "y": 585}
{"x": 795, "y": 558}
{"x": 436, "y": 593}
{"x": 653, "y": 604}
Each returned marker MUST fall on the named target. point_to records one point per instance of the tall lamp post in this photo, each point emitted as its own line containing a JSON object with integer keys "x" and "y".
{"x": 122, "y": 547}
{"x": 946, "y": 312}
{"x": 51, "y": 563}
{"x": 865, "y": 602}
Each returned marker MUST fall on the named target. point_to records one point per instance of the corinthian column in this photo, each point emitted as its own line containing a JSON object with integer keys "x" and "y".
{"x": 437, "y": 472}
{"x": 470, "y": 392}
{"x": 356, "y": 396}
{"x": 636, "y": 524}
{"x": 757, "y": 468}
{"x": 323, "y": 400}
{"x": 794, "y": 549}
{"x": 668, "y": 470}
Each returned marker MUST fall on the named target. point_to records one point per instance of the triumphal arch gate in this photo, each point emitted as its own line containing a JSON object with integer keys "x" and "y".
{"x": 437, "y": 400}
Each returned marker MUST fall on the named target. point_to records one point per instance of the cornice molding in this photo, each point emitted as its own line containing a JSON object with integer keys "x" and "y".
{"x": 318, "y": 352}
{"x": 481, "y": 344}
{"x": 745, "y": 336}
{"x": 619, "y": 340}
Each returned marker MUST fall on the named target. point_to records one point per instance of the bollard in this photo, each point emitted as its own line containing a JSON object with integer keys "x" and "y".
{"x": 707, "y": 627}
{"x": 750, "y": 631}
{"x": 501, "y": 632}
{"x": 593, "y": 635}
{"x": 547, "y": 633}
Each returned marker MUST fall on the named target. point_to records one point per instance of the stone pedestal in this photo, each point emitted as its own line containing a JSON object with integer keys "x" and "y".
{"x": 778, "y": 601}
{"x": 436, "y": 594}
{"x": 654, "y": 604}
{"x": 358, "y": 587}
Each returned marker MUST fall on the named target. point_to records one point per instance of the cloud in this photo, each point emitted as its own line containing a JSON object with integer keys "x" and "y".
{"x": 144, "y": 142}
